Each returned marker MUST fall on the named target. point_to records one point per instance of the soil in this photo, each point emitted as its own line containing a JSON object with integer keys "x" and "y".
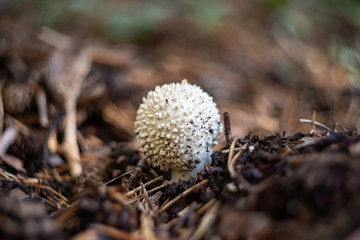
{"x": 271, "y": 177}
{"x": 283, "y": 187}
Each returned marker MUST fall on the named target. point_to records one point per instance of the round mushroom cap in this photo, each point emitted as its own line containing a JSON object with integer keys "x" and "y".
{"x": 176, "y": 126}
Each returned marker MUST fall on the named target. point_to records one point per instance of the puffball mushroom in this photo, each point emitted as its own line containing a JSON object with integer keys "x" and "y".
{"x": 176, "y": 125}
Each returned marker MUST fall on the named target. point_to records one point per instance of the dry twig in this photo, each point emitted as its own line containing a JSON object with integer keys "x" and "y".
{"x": 122, "y": 175}
{"x": 145, "y": 185}
{"x": 316, "y": 124}
{"x": 183, "y": 194}
{"x": 231, "y": 159}
{"x": 243, "y": 183}
{"x": 227, "y": 130}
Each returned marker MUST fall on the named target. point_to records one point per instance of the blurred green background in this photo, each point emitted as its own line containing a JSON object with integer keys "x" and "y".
{"x": 138, "y": 21}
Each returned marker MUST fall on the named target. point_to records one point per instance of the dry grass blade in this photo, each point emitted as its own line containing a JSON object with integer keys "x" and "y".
{"x": 157, "y": 188}
{"x": 55, "y": 175}
{"x": 146, "y": 184}
{"x": 45, "y": 187}
{"x": 13, "y": 177}
{"x": 235, "y": 149}
{"x": 229, "y": 165}
{"x": 316, "y": 124}
{"x": 243, "y": 184}
{"x": 313, "y": 120}
{"x": 183, "y": 194}
{"x": 122, "y": 175}
{"x": 231, "y": 159}
{"x": 206, "y": 222}
{"x": 341, "y": 127}
{"x": 206, "y": 207}
{"x": 235, "y": 158}
{"x": 3, "y": 173}
{"x": 149, "y": 192}
{"x": 146, "y": 196}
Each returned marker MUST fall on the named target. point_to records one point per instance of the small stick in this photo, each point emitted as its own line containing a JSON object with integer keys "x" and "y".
{"x": 149, "y": 192}
{"x": 183, "y": 194}
{"x": 313, "y": 120}
{"x": 235, "y": 149}
{"x": 30, "y": 181}
{"x": 7, "y": 175}
{"x": 37, "y": 185}
{"x": 122, "y": 175}
{"x": 227, "y": 131}
{"x": 316, "y": 123}
{"x": 2, "y": 173}
{"x": 232, "y": 161}
{"x": 146, "y": 184}
{"x": 206, "y": 206}
{"x": 229, "y": 164}
{"x": 146, "y": 196}
{"x": 157, "y": 188}
{"x": 55, "y": 175}
{"x": 341, "y": 126}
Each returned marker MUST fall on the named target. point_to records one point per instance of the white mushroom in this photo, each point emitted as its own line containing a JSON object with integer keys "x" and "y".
{"x": 176, "y": 125}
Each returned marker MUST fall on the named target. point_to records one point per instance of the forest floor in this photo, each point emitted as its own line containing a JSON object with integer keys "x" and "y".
{"x": 271, "y": 177}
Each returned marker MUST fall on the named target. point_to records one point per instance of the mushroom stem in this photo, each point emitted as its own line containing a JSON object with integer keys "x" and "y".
{"x": 176, "y": 175}
{"x": 69, "y": 146}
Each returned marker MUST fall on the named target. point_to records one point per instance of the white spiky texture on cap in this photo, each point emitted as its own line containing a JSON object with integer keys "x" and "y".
{"x": 176, "y": 126}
